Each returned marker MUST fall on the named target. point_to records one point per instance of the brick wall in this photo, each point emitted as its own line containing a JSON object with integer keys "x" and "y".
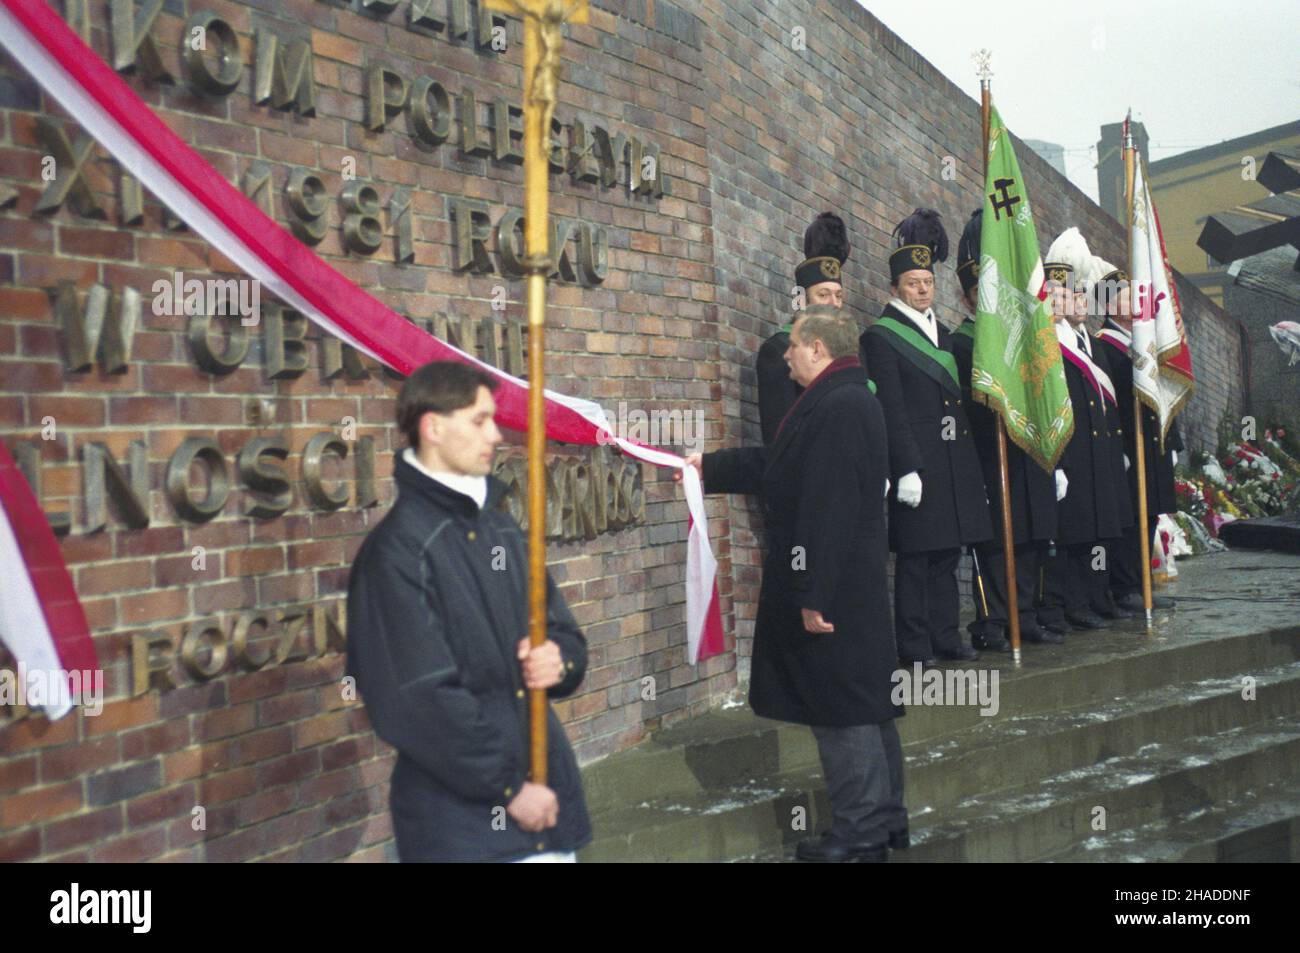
{"x": 755, "y": 137}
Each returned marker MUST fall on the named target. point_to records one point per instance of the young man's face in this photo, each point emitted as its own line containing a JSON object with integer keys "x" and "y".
{"x": 916, "y": 289}
{"x": 829, "y": 293}
{"x": 464, "y": 440}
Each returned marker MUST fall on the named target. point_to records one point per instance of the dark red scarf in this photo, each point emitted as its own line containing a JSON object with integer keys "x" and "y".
{"x": 839, "y": 364}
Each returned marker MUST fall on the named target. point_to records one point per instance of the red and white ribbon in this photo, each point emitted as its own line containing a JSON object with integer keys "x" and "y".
{"x": 110, "y": 111}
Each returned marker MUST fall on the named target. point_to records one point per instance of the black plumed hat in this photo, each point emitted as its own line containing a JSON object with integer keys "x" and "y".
{"x": 826, "y": 248}
{"x": 921, "y": 243}
{"x": 827, "y": 236}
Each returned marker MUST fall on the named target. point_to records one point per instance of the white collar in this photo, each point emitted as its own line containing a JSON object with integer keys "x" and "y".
{"x": 926, "y": 322}
{"x": 475, "y": 487}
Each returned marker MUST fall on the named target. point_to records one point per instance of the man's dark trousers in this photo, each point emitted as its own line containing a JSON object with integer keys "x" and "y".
{"x": 927, "y": 607}
{"x": 993, "y": 571}
{"x": 863, "y": 765}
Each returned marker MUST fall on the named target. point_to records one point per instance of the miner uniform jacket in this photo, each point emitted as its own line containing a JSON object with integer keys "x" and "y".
{"x": 776, "y": 391}
{"x": 822, "y": 485}
{"x": 1033, "y": 489}
{"x": 922, "y": 405}
{"x": 1092, "y": 507}
{"x": 1160, "y": 469}
{"x": 437, "y": 603}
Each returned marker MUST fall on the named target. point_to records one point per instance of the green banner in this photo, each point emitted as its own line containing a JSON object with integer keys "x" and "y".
{"x": 1017, "y": 369}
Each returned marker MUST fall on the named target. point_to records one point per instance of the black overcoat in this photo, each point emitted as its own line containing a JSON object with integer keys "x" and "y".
{"x": 954, "y": 508}
{"x": 1090, "y": 510}
{"x": 822, "y": 485}
{"x": 437, "y": 603}
{"x": 1160, "y": 469}
{"x": 1032, "y": 489}
{"x": 776, "y": 391}
{"x": 1116, "y": 427}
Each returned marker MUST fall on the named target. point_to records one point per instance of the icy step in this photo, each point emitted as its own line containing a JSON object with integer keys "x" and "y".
{"x": 1157, "y": 781}
{"x": 1090, "y": 672}
{"x": 754, "y": 816}
{"x": 1261, "y": 825}
{"x": 1005, "y": 753}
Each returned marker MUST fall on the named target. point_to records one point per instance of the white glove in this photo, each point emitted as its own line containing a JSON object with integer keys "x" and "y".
{"x": 909, "y": 490}
{"x": 1127, "y": 465}
{"x": 887, "y": 485}
{"x": 1173, "y": 458}
{"x": 1062, "y": 484}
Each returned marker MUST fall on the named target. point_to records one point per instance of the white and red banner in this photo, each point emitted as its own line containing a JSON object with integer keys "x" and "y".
{"x": 1162, "y": 361}
{"x": 110, "y": 111}
{"x": 41, "y": 619}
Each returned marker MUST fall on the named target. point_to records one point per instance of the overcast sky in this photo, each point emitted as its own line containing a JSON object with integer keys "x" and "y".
{"x": 1195, "y": 72}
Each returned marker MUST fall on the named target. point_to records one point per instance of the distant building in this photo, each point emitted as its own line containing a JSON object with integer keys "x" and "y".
{"x": 1190, "y": 187}
{"x": 1263, "y": 293}
{"x": 1050, "y": 152}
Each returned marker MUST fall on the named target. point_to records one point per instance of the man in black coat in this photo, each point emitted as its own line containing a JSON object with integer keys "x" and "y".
{"x": 823, "y": 650}
{"x": 437, "y": 625}
{"x": 818, "y": 281}
{"x": 1034, "y": 492}
{"x": 939, "y": 502}
{"x": 1111, "y": 294}
{"x": 1092, "y": 509}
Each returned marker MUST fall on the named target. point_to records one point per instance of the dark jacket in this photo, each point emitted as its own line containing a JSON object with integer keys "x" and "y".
{"x": 1091, "y": 509}
{"x": 437, "y": 603}
{"x": 1032, "y": 489}
{"x": 822, "y": 485}
{"x": 776, "y": 391}
{"x": 954, "y": 508}
{"x": 1116, "y": 426}
{"x": 1160, "y": 470}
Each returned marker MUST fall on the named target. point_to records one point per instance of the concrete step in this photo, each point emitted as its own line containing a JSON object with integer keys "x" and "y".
{"x": 1158, "y": 781}
{"x": 1150, "y": 725}
{"x": 708, "y": 753}
{"x": 1232, "y": 795}
{"x": 1261, "y": 825}
{"x": 1005, "y": 753}
{"x": 999, "y": 763}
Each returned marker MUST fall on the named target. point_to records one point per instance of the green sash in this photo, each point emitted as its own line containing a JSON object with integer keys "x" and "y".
{"x": 916, "y": 349}
{"x": 966, "y": 329}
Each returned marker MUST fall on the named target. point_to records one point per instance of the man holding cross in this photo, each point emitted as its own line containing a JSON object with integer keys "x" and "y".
{"x": 437, "y": 614}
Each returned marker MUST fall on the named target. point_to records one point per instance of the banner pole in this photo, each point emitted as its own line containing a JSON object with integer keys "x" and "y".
{"x": 1144, "y": 544}
{"x": 1008, "y": 537}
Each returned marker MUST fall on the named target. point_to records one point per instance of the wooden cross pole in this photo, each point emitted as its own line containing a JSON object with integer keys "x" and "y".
{"x": 543, "y": 36}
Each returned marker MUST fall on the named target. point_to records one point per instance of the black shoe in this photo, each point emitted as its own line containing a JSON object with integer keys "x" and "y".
{"x": 1117, "y": 611}
{"x": 900, "y": 840}
{"x": 1043, "y": 636}
{"x": 1133, "y": 602}
{"x": 1058, "y": 628}
{"x": 926, "y": 663}
{"x": 990, "y": 643}
{"x": 962, "y": 653}
{"x": 828, "y": 849}
{"x": 1085, "y": 620}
